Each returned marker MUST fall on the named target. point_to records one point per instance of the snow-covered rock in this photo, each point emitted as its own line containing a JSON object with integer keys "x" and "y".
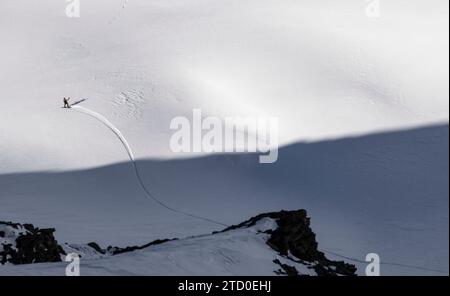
{"x": 279, "y": 243}
{"x": 25, "y": 244}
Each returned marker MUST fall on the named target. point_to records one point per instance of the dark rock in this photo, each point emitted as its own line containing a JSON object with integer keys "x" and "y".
{"x": 117, "y": 250}
{"x": 96, "y": 247}
{"x": 285, "y": 269}
{"x": 294, "y": 236}
{"x": 293, "y": 239}
{"x": 32, "y": 245}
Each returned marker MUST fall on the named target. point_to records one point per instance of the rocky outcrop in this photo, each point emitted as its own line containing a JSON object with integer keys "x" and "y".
{"x": 285, "y": 269}
{"x": 117, "y": 250}
{"x": 294, "y": 239}
{"x": 288, "y": 233}
{"x": 22, "y": 244}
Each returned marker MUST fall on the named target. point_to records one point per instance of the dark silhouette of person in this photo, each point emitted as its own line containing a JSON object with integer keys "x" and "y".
{"x": 66, "y": 102}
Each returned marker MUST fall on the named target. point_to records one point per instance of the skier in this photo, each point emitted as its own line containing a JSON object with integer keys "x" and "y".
{"x": 66, "y": 102}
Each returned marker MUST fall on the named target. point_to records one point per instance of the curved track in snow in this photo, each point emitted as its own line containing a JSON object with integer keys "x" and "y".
{"x": 119, "y": 135}
{"x": 129, "y": 151}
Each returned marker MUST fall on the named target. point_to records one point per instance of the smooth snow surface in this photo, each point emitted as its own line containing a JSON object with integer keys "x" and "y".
{"x": 323, "y": 67}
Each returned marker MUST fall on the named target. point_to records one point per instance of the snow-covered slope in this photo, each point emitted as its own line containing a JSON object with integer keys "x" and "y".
{"x": 279, "y": 243}
{"x": 236, "y": 253}
{"x": 385, "y": 193}
{"x": 324, "y": 68}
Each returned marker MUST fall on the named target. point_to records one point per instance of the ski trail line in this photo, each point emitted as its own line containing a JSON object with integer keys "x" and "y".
{"x": 122, "y": 139}
{"x": 119, "y": 135}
